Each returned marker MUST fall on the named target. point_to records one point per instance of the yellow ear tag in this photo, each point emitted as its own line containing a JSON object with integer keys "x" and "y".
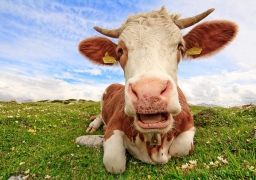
{"x": 194, "y": 51}
{"x": 108, "y": 59}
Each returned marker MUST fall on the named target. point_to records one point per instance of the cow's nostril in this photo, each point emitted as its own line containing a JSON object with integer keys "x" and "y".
{"x": 132, "y": 92}
{"x": 162, "y": 92}
{"x": 166, "y": 90}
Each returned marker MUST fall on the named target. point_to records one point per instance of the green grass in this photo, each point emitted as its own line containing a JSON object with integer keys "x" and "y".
{"x": 37, "y": 140}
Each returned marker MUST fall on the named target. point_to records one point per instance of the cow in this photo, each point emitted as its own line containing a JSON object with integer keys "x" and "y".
{"x": 149, "y": 116}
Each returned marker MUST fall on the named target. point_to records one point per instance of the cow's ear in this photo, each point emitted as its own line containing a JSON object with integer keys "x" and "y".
{"x": 209, "y": 38}
{"x": 98, "y": 48}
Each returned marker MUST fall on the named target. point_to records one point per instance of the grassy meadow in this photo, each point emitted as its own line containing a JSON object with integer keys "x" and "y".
{"x": 37, "y": 142}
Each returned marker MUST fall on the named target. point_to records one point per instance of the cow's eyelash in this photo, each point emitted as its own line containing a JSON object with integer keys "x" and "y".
{"x": 120, "y": 51}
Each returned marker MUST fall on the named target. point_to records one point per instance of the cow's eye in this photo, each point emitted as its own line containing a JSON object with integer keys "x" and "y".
{"x": 120, "y": 51}
{"x": 180, "y": 46}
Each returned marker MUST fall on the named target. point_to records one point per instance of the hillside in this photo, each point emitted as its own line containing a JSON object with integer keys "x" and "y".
{"x": 37, "y": 142}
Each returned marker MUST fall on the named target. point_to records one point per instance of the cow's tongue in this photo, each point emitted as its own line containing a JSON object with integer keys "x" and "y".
{"x": 153, "y": 121}
{"x": 150, "y": 118}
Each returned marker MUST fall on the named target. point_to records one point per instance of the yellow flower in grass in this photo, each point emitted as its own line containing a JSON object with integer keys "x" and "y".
{"x": 32, "y": 131}
{"x": 191, "y": 166}
{"x": 251, "y": 168}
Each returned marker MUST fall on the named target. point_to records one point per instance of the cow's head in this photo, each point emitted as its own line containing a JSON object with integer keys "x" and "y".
{"x": 150, "y": 47}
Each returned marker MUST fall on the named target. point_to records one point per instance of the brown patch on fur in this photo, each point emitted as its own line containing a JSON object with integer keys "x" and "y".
{"x": 95, "y": 49}
{"x": 211, "y": 36}
{"x": 93, "y": 117}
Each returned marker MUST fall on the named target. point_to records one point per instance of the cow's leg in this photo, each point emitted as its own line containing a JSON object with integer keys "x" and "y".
{"x": 114, "y": 153}
{"x": 95, "y": 124}
{"x": 183, "y": 143}
{"x": 92, "y": 140}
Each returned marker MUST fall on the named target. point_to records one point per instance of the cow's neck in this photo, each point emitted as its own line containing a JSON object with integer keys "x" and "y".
{"x": 155, "y": 139}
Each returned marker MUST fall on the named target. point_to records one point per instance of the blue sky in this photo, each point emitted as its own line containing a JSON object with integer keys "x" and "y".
{"x": 39, "y": 57}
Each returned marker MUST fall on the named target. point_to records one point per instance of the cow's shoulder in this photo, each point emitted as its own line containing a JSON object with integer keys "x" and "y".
{"x": 111, "y": 90}
{"x": 113, "y": 112}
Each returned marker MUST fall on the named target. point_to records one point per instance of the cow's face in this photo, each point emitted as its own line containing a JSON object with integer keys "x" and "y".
{"x": 149, "y": 48}
{"x": 150, "y": 59}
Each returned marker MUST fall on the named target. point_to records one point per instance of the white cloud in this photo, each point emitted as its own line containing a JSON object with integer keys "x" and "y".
{"x": 222, "y": 89}
{"x": 17, "y": 87}
{"x": 91, "y": 71}
{"x": 64, "y": 75}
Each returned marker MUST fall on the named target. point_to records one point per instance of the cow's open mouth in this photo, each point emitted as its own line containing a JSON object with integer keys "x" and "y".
{"x": 153, "y": 121}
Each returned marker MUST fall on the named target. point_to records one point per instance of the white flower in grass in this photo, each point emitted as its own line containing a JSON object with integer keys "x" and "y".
{"x": 27, "y": 171}
{"x": 47, "y": 177}
{"x": 224, "y": 161}
{"x": 208, "y": 142}
{"x": 252, "y": 167}
{"x": 184, "y": 166}
{"x": 194, "y": 162}
{"x": 220, "y": 158}
{"x": 25, "y": 177}
{"x": 212, "y": 163}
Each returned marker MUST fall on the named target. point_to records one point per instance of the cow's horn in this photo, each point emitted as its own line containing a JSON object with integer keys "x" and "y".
{"x": 114, "y": 33}
{"x": 186, "y": 22}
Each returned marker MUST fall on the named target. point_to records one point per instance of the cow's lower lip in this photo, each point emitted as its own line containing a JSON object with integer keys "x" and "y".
{"x": 153, "y": 121}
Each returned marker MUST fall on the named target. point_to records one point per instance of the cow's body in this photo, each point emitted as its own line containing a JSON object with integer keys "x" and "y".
{"x": 142, "y": 146}
{"x": 149, "y": 115}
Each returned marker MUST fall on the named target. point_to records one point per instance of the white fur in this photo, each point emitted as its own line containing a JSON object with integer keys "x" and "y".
{"x": 182, "y": 144}
{"x": 90, "y": 140}
{"x": 114, "y": 157}
{"x": 138, "y": 149}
